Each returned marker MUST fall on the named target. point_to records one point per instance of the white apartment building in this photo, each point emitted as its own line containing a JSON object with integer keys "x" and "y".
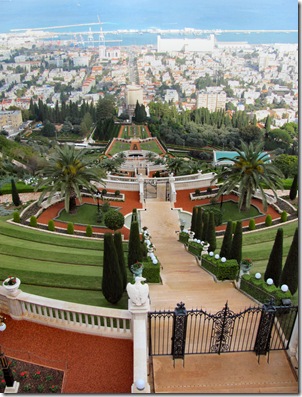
{"x": 171, "y": 95}
{"x": 211, "y": 100}
{"x": 10, "y": 120}
{"x": 186, "y": 45}
{"x": 134, "y": 94}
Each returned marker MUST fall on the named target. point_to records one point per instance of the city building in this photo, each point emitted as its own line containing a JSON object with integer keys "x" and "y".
{"x": 212, "y": 100}
{"x": 186, "y": 45}
{"x": 10, "y": 121}
{"x": 134, "y": 94}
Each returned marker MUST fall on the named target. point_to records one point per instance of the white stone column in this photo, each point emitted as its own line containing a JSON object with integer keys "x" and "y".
{"x": 140, "y": 347}
{"x": 141, "y": 188}
{"x": 172, "y": 188}
{"x": 294, "y": 341}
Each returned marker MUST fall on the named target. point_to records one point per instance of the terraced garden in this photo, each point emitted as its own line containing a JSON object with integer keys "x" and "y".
{"x": 54, "y": 266}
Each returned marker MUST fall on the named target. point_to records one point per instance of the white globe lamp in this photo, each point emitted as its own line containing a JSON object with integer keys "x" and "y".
{"x": 269, "y": 281}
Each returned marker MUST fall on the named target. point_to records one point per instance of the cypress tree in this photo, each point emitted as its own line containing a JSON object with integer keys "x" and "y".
{"x": 205, "y": 219}
{"x": 236, "y": 248}
{"x": 112, "y": 285}
{"x": 134, "y": 245}
{"x": 294, "y": 188}
{"x": 121, "y": 259}
{"x": 290, "y": 273}
{"x": 274, "y": 265}
{"x": 194, "y": 219}
{"x": 15, "y": 195}
{"x": 225, "y": 249}
{"x": 211, "y": 234}
{"x": 198, "y": 226}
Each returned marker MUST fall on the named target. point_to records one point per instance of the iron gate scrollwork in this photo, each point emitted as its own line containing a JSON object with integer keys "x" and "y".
{"x": 223, "y": 325}
{"x": 255, "y": 329}
{"x": 179, "y": 331}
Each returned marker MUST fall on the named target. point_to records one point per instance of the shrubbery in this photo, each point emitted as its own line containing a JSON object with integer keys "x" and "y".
{"x": 70, "y": 228}
{"x": 252, "y": 224}
{"x": 151, "y": 272}
{"x": 16, "y": 217}
{"x": 268, "y": 220}
{"x": 227, "y": 270}
{"x": 51, "y": 225}
{"x": 284, "y": 216}
{"x": 88, "y": 231}
{"x": 262, "y": 292}
{"x": 183, "y": 237}
{"x": 33, "y": 221}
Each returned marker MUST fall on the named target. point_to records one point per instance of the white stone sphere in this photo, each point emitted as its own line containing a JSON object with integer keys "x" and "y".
{"x": 269, "y": 281}
{"x": 211, "y": 253}
{"x": 258, "y": 276}
{"x": 155, "y": 261}
{"x": 216, "y": 256}
{"x": 140, "y": 384}
{"x": 223, "y": 259}
{"x": 284, "y": 288}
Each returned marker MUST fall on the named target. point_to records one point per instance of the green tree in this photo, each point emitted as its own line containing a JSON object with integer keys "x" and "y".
{"x": 48, "y": 129}
{"x": 67, "y": 171}
{"x": 290, "y": 272}
{"x": 194, "y": 219}
{"x": 112, "y": 285}
{"x": 251, "y": 170}
{"x": 236, "y": 248}
{"x": 294, "y": 188}
{"x": 205, "y": 225}
{"x": 211, "y": 234}
{"x": 198, "y": 227}
{"x": 287, "y": 164}
{"x": 226, "y": 245}
{"x": 121, "y": 258}
{"x": 15, "y": 195}
{"x": 274, "y": 265}
{"x": 134, "y": 245}
{"x": 114, "y": 220}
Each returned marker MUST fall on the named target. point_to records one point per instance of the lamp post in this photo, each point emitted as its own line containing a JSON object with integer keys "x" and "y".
{"x": 98, "y": 196}
{"x": 11, "y": 385}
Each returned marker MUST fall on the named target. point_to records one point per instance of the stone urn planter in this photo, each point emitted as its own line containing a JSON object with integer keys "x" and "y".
{"x": 11, "y": 285}
{"x": 137, "y": 269}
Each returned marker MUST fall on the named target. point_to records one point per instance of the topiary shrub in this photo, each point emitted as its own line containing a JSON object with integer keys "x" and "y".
{"x": 227, "y": 270}
{"x": 252, "y": 224}
{"x": 151, "y": 272}
{"x": 268, "y": 220}
{"x": 70, "y": 228}
{"x": 209, "y": 190}
{"x": 183, "y": 237}
{"x": 114, "y": 220}
{"x": 283, "y": 216}
{"x": 88, "y": 231}
{"x": 117, "y": 193}
{"x": 33, "y": 221}
{"x": 51, "y": 225}
{"x": 16, "y": 217}
{"x": 234, "y": 227}
{"x": 197, "y": 192}
{"x": 103, "y": 192}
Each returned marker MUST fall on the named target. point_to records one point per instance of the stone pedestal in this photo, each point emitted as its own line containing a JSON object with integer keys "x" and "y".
{"x": 12, "y": 389}
{"x": 140, "y": 346}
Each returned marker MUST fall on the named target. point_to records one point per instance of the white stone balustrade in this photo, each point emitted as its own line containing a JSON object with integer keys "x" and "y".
{"x": 113, "y": 323}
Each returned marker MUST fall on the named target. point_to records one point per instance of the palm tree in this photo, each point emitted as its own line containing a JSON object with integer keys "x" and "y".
{"x": 251, "y": 170}
{"x": 67, "y": 171}
{"x": 175, "y": 165}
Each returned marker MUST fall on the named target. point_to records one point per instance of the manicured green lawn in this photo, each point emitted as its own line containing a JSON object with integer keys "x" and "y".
{"x": 151, "y": 146}
{"x": 230, "y": 210}
{"x": 119, "y": 147}
{"x": 86, "y": 214}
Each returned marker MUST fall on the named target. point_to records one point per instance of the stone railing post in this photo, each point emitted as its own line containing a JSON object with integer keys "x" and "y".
{"x": 172, "y": 188}
{"x": 141, "y": 188}
{"x": 14, "y": 304}
{"x": 139, "y": 306}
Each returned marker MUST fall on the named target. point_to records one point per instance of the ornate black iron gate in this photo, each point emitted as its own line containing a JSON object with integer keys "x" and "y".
{"x": 257, "y": 329}
{"x": 150, "y": 188}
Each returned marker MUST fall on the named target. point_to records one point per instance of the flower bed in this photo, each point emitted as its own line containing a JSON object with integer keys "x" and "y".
{"x": 227, "y": 270}
{"x": 34, "y": 378}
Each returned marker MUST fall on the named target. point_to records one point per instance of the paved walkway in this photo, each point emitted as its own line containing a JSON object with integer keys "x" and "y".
{"x": 183, "y": 280}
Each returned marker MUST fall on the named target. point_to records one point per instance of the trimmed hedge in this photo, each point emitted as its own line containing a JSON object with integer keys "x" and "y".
{"x": 88, "y": 231}
{"x": 252, "y": 224}
{"x": 195, "y": 248}
{"x": 51, "y": 225}
{"x": 70, "y": 228}
{"x": 227, "y": 270}
{"x": 283, "y": 216}
{"x": 33, "y": 221}
{"x": 268, "y": 220}
{"x": 259, "y": 290}
{"x": 16, "y": 217}
{"x": 151, "y": 272}
{"x": 183, "y": 237}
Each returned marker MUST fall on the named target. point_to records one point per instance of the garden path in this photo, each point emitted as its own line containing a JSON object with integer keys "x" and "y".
{"x": 183, "y": 280}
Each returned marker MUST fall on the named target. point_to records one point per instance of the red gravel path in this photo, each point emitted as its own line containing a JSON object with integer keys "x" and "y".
{"x": 94, "y": 364}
